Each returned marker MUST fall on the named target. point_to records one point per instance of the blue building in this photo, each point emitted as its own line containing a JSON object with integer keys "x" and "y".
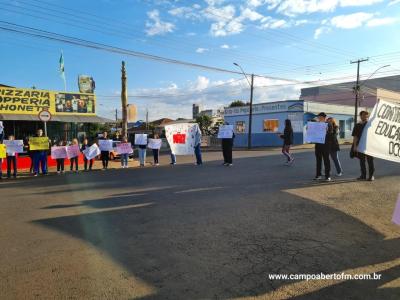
{"x": 269, "y": 120}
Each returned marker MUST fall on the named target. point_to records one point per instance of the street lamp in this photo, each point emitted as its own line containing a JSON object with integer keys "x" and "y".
{"x": 251, "y": 103}
{"x": 358, "y": 87}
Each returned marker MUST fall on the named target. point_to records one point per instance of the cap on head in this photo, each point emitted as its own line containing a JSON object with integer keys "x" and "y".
{"x": 322, "y": 114}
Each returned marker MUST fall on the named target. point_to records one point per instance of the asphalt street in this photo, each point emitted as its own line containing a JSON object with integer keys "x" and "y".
{"x": 200, "y": 232}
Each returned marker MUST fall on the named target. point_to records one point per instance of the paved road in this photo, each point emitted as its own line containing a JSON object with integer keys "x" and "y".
{"x": 209, "y": 232}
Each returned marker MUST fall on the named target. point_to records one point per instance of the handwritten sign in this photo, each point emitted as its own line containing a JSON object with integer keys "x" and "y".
{"x": 396, "y": 213}
{"x": 58, "y": 152}
{"x": 73, "y": 151}
{"x": 124, "y": 148}
{"x": 154, "y": 143}
{"x": 39, "y": 143}
{"x": 3, "y": 151}
{"x": 181, "y": 137}
{"x": 91, "y": 152}
{"x": 106, "y": 145}
{"x": 225, "y": 132}
{"x": 316, "y": 132}
{"x": 140, "y": 139}
{"x": 14, "y": 146}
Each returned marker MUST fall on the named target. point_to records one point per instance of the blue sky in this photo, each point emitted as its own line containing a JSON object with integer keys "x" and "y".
{"x": 302, "y": 40}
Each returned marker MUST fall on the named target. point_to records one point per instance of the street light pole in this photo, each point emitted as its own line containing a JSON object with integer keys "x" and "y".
{"x": 251, "y": 83}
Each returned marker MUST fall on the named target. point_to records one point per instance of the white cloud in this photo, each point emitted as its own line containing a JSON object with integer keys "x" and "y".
{"x": 225, "y": 46}
{"x": 320, "y": 31}
{"x": 351, "y": 21}
{"x": 381, "y": 21}
{"x": 201, "y": 50}
{"x": 393, "y": 2}
{"x": 156, "y": 26}
{"x": 345, "y": 3}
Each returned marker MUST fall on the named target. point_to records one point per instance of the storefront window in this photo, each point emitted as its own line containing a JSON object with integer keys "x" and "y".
{"x": 271, "y": 125}
{"x": 240, "y": 126}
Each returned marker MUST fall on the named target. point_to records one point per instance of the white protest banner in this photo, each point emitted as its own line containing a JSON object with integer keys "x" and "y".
{"x": 225, "y": 132}
{"x": 124, "y": 148}
{"x": 181, "y": 137}
{"x": 73, "y": 151}
{"x": 14, "y": 146}
{"x": 140, "y": 139}
{"x": 106, "y": 145}
{"x": 381, "y": 135}
{"x": 154, "y": 143}
{"x": 91, "y": 152}
{"x": 316, "y": 132}
{"x": 58, "y": 152}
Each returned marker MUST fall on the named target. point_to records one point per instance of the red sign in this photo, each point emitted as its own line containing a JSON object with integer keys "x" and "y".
{"x": 179, "y": 138}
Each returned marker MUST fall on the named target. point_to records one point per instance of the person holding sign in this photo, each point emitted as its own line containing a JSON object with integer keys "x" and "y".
{"x": 322, "y": 150}
{"x": 74, "y": 160}
{"x": 11, "y": 161}
{"x": 85, "y": 146}
{"x": 357, "y": 132}
{"x": 227, "y": 144}
{"x": 141, "y": 142}
{"x": 105, "y": 154}
{"x": 3, "y": 154}
{"x": 124, "y": 156}
{"x": 155, "y": 145}
{"x": 39, "y": 155}
{"x": 61, "y": 160}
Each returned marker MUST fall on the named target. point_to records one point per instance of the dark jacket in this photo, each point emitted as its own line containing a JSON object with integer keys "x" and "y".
{"x": 287, "y": 136}
{"x": 335, "y": 142}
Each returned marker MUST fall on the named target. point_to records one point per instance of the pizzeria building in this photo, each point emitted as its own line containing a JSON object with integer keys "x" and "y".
{"x": 269, "y": 120}
{"x": 71, "y": 114}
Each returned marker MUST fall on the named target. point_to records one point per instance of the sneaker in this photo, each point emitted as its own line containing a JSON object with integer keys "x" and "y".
{"x": 58, "y": 172}
{"x": 339, "y": 174}
{"x": 103, "y": 169}
{"x": 172, "y": 163}
{"x": 291, "y": 161}
{"x": 361, "y": 178}
{"x": 317, "y": 178}
{"x": 372, "y": 178}
{"x": 229, "y": 165}
{"x": 328, "y": 179}
{"x": 157, "y": 164}
{"x": 225, "y": 164}
{"x": 35, "y": 174}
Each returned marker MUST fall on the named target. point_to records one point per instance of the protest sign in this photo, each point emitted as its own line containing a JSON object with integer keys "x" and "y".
{"x": 396, "y": 213}
{"x": 14, "y": 146}
{"x": 39, "y": 143}
{"x": 124, "y": 148}
{"x": 73, "y": 151}
{"x": 106, "y": 145}
{"x": 154, "y": 143}
{"x": 91, "y": 152}
{"x": 3, "y": 151}
{"x": 225, "y": 132}
{"x": 181, "y": 138}
{"x": 316, "y": 132}
{"x": 140, "y": 139}
{"x": 58, "y": 152}
{"x": 381, "y": 135}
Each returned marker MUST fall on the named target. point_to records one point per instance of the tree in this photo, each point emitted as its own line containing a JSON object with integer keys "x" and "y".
{"x": 238, "y": 103}
{"x": 205, "y": 123}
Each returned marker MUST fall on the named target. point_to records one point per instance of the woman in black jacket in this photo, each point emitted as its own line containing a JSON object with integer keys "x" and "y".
{"x": 287, "y": 137}
{"x": 334, "y": 149}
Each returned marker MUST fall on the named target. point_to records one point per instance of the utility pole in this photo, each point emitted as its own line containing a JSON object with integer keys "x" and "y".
{"x": 147, "y": 119}
{"x": 357, "y": 87}
{"x": 116, "y": 119}
{"x": 124, "y": 102}
{"x": 251, "y": 111}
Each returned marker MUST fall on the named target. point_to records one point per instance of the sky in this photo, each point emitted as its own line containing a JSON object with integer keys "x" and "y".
{"x": 288, "y": 44}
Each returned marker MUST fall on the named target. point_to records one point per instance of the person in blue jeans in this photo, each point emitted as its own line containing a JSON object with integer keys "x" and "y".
{"x": 142, "y": 154}
{"x": 173, "y": 159}
{"x": 124, "y": 156}
{"x": 197, "y": 146}
{"x": 39, "y": 158}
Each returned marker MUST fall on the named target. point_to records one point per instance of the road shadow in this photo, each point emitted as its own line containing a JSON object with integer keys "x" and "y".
{"x": 218, "y": 232}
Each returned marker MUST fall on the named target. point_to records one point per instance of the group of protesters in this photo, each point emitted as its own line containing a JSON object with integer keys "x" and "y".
{"x": 323, "y": 152}
{"x": 328, "y": 150}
